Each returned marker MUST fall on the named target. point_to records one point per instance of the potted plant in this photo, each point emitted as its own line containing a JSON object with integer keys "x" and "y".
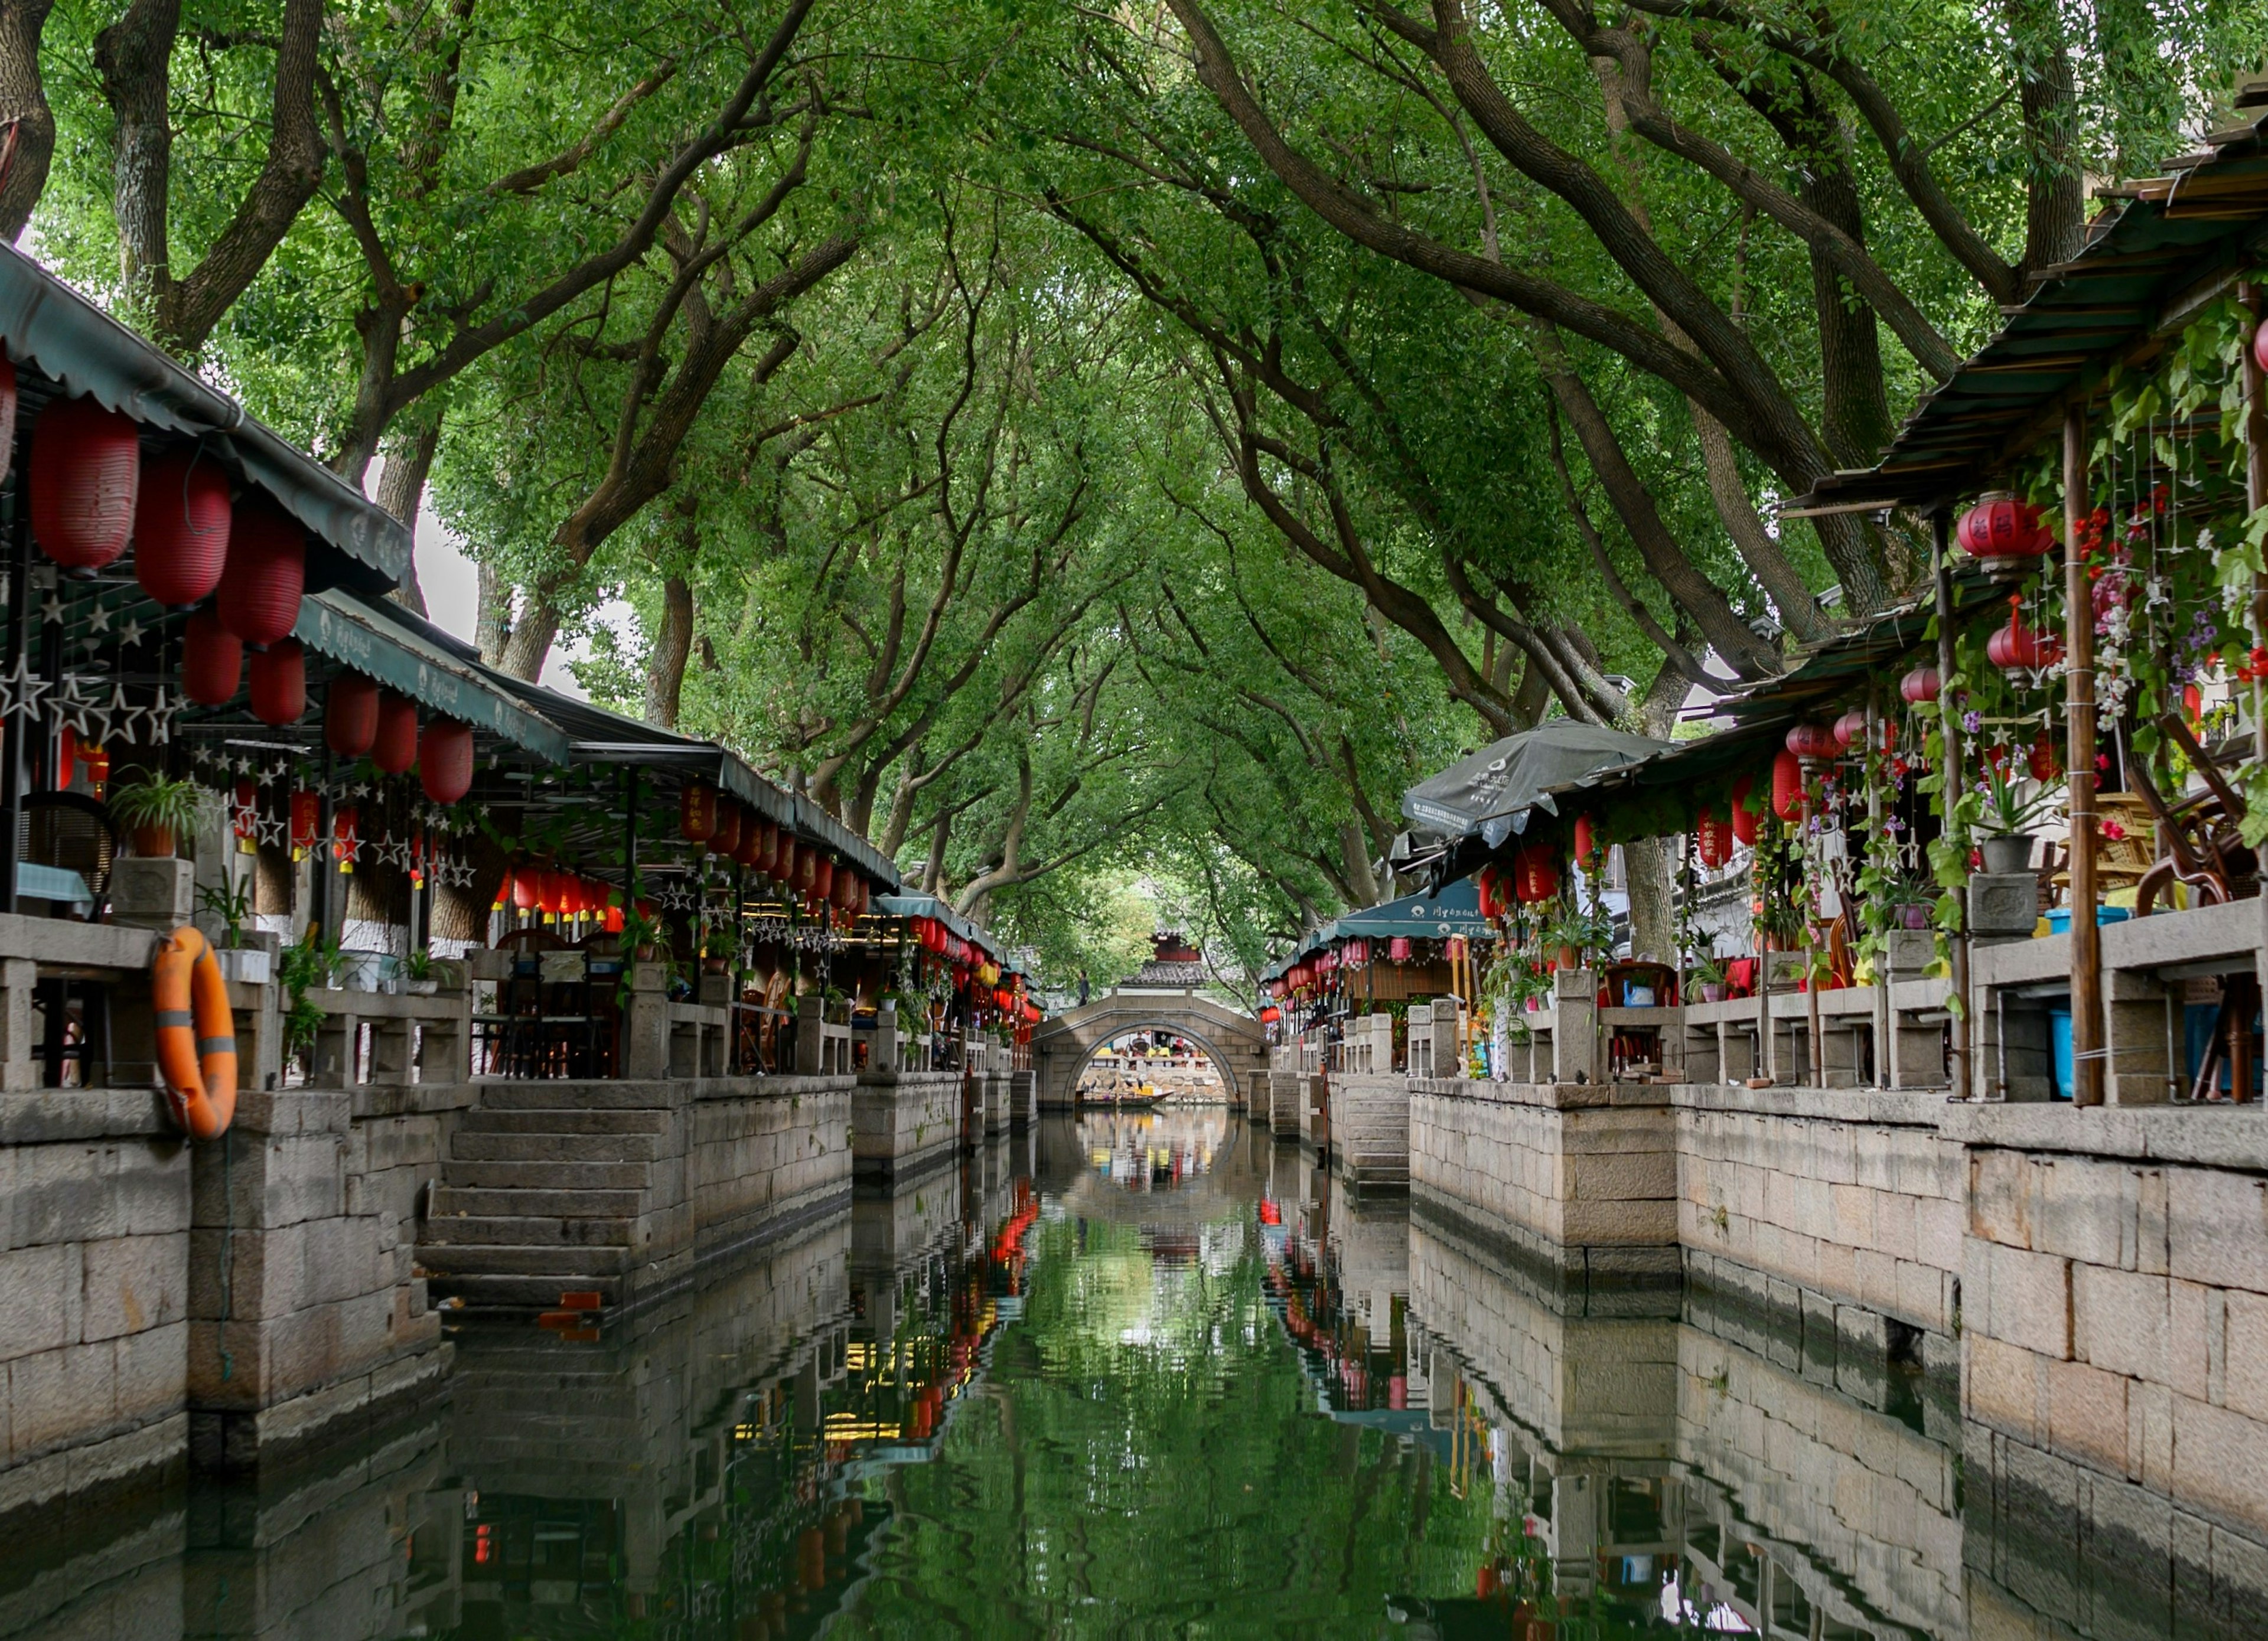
{"x": 156, "y": 812}
{"x": 2005, "y": 807}
{"x": 304, "y": 964}
{"x": 1706, "y": 975}
{"x": 422, "y": 973}
{"x": 231, "y": 904}
{"x": 1576, "y": 934}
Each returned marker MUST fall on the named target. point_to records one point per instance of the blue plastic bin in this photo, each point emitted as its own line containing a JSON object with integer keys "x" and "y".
{"x": 2060, "y": 1046}
{"x": 2059, "y": 919}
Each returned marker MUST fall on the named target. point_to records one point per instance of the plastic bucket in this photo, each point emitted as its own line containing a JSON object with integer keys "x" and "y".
{"x": 2060, "y": 1046}
{"x": 2059, "y": 919}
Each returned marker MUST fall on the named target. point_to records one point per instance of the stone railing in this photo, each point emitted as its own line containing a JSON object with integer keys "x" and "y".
{"x": 822, "y": 1037}
{"x": 377, "y": 1037}
{"x": 1434, "y": 1029}
{"x": 1367, "y": 1049}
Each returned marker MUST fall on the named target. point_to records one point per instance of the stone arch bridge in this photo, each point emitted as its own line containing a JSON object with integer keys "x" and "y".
{"x": 1062, "y": 1044}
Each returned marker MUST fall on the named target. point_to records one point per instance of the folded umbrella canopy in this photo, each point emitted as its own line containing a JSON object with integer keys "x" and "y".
{"x": 1491, "y": 792}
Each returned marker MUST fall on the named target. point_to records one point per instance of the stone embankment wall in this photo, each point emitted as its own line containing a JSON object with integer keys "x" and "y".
{"x": 1581, "y": 1177}
{"x": 1842, "y": 1206}
{"x": 2115, "y": 1332}
{"x": 1370, "y": 1127}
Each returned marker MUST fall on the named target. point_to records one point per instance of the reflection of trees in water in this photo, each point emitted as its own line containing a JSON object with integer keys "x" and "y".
{"x": 1157, "y": 1150}
{"x": 1146, "y": 1458}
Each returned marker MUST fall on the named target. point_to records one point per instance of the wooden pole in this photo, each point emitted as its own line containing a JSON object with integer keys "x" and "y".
{"x": 2079, "y": 727}
{"x": 1811, "y": 954}
{"x": 1948, "y": 721}
{"x": 1883, "y": 1057}
{"x": 2256, "y": 496}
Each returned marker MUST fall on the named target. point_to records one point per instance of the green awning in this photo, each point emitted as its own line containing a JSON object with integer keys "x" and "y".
{"x": 360, "y": 633}
{"x": 63, "y": 337}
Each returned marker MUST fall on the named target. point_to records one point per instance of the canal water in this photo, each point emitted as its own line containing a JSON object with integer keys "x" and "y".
{"x": 1136, "y": 1376}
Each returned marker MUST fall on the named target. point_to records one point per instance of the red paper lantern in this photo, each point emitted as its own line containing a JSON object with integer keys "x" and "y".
{"x": 783, "y": 870}
{"x": 279, "y": 683}
{"x": 750, "y": 841}
{"x": 697, "y": 812}
{"x": 807, "y": 867}
{"x": 1587, "y": 852}
{"x": 2001, "y": 526}
{"x": 246, "y": 822}
{"x": 2259, "y": 352}
{"x": 614, "y": 920}
{"x": 724, "y": 833}
{"x": 212, "y": 661}
{"x": 1535, "y": 874}
{"x": 394, "y": 748}
{"x": 1787, "y": 784}
{"x": 1484, "y": 890}
{"x": 445, "y": 760}
{"x": 265, "y": 572}
{"x": 86, "y": 470}
{"x": 96, "y": 762}
{"x": 764, "y": 855}
{"x": 527, "y": 889}
{"x": 1815, "y": 741}
{"x": 7, "y": 412}
{"x": 1744, "y": 816}
{"x": 1357, "y": 954}
{"x": 819, "y": 878}
{"x": 350, "y": 715}
{"x": 180, "y": 528}
{"x": 1397, "y": 949}
{"x": 2016, "y": 648}
{"x": 1713, "y": 839}
{"x": 1920, "y": 687}
{"x": 346, "y": 841}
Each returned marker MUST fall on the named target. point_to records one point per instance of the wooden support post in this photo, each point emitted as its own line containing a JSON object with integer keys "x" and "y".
{"x": 1884, "y": 1055}
{"x": 1810, "y": 955}
{"x": 2256, "y": 496}
{"x": 1949, "y": 719}
{"x": 2079, "y": 728}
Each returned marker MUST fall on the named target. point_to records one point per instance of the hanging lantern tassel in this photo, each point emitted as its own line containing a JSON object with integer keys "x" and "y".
{"x": 417, "y": 857}
{"x": 344, "y": 844}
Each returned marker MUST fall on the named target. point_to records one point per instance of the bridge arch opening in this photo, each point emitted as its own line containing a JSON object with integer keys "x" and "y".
{"x": 1135, "y": 1061}
{"x": 1066, "y": 1043}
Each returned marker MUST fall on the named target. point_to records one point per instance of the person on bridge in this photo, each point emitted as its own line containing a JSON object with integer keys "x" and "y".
{"x": 1082, "y": 987}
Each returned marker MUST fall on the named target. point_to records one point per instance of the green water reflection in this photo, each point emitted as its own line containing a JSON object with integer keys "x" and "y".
{"x": 1150, "y": 1375}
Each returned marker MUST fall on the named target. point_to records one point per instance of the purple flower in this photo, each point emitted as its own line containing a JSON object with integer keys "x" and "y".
{"x": 1971, "y": 721}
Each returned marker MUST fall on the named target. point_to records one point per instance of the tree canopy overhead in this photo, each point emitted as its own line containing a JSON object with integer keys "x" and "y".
{"x": 1104, "y": 450}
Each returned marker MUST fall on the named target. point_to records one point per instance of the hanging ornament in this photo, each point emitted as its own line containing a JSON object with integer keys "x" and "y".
{"x": 86, "y": 467}
{"x": 1712, "y": 840}
{"x": 266, "y": 571}
{"x": 1535, "y": 870}
{"x": 1397, "y": 949}
{"x": 783, "y": 870}
{"x": 350, "y": 715}
{"x": 765, "y": 856}
{"x": 818, "y": 881}
{"x": 394, "y": 748}
{"x": 345, "y": 844}
{"x": 417, "y": 857}
{"x": 2042, "y": 759}
{"x": 180, "y": 528}
{"x": 279, "y": 683}
{"x": 212, "y": 661}
{"x": 306, "y": 823}
{"x": 244, "y": 821}
{"x": 1919, "y": 687}
{"x": 95, "y": 762}
{"x": 527, "y": 889}
{"x": 445, "y": 760}
{"x": 751, "y": 839}
{"x": 2016, "y": 648}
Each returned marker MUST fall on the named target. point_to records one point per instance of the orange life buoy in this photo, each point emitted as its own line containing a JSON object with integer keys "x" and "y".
{"x": 196, "y": 1034}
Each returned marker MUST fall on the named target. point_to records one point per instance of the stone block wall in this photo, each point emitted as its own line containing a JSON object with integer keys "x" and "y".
{"x": 1836, "y": 1205}
{"x": 1581, "y": 1176}
{"x": 1370, "y": 1127}
{"x": 898, "y": 1121}
{"x": 762, "y": 1151}
{"x": 1287, "y": 1092}
{"x": 94, "y": 1291}
{"x": 2115, "y": 1327}
{"x": 306, "y": 1320}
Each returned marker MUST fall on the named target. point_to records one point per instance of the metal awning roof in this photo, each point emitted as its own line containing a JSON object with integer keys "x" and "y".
{"x": 383, "y": 641}
{"x": 1429, "y": 915}
{"x": 933, "y": 906}
{"x": 2160, "y": 250}
{"x": 79, "y": 349}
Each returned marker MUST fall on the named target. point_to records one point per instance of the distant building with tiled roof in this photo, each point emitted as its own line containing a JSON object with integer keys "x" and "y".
{"x": 1174, "y": 965}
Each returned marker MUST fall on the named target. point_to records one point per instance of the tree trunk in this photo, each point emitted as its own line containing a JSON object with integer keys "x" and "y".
{"x": 2055, "y": 202}
{"x": 134, "y": 58}
{"x": 673, "y": 644}
{"x": 1775, "y": 573}
{"x": 492, "y": 627}
{"x": 402, "y": 491}
{"x": 1647, "y": 863}
{"x": 530, "y": 642}
{"x": 27, "y": 125}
